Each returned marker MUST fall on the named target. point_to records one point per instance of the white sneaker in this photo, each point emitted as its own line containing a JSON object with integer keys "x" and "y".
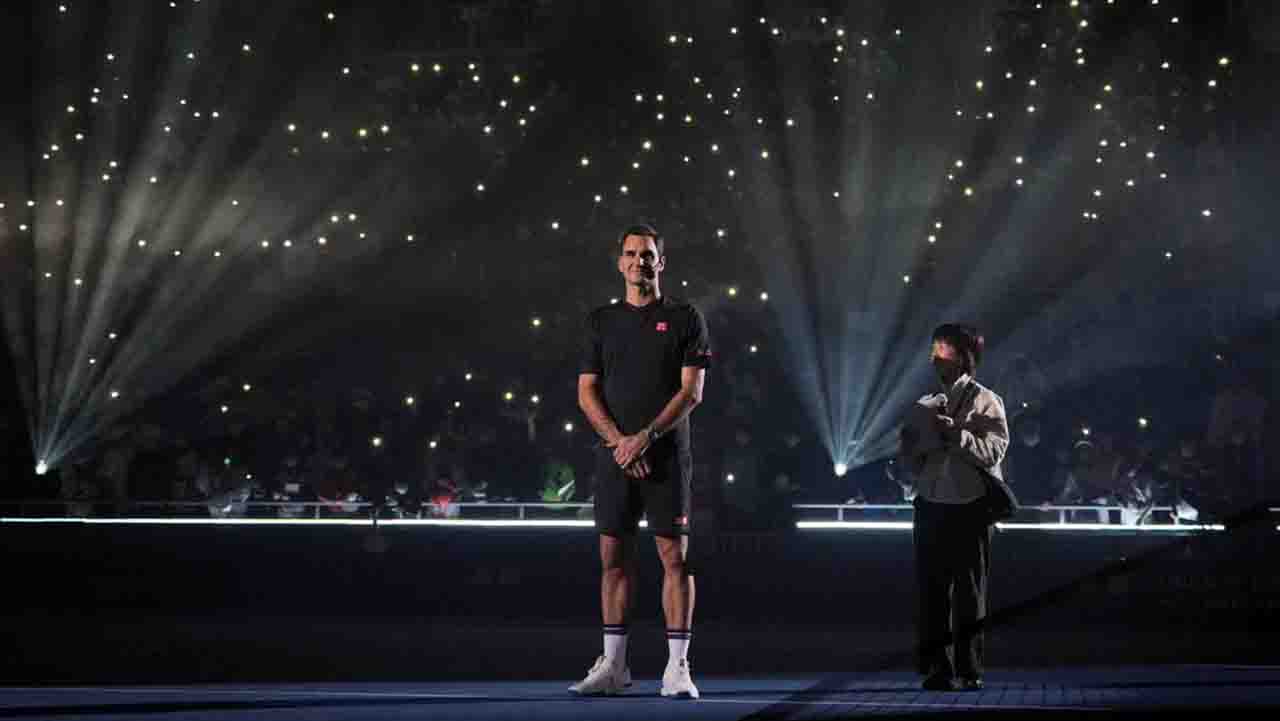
{"x": 676, "y": 681}
{"x": 604, "y": 679}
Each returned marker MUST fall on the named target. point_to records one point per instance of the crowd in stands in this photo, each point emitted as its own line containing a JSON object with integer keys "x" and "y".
{"x": 1196, "y": 432}
{"x": 1203, "y": 453}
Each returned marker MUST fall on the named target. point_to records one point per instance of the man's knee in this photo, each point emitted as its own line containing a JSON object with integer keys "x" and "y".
{"x": 674, "y": 555}
{"x": 682, "y": 568}
{"x": 615, "y": 554}
{"x": 675, "y": 567}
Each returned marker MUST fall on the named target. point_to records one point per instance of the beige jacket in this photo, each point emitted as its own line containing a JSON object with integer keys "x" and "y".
{"x": 944, "y": 473}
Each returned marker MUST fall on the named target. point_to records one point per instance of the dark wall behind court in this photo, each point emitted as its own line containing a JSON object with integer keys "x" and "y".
{"x": 849, "y": 578}
{"x": 154, "y": 604}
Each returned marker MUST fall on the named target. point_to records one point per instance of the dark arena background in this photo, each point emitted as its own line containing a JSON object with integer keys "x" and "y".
{"x": 294, "y": 296}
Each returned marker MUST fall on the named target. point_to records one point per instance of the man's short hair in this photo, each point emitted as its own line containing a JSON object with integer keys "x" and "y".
{"x": 965, "y": 339}
{"x": 647, "y": 231}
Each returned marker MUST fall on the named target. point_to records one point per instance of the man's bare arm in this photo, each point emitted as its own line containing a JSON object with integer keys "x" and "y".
{"x": 591, "y": 401}
{"x": 629, "y": 448}
{"x": 683, "y": 402}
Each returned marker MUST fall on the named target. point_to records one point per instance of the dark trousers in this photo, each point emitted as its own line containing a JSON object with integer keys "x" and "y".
{"x": 953, "y": 565}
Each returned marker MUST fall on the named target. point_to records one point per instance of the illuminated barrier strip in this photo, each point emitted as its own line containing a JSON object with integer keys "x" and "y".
{"x": 197, "y": 521}
{"x": 841, "y": 525}
{"x": 575, "y": 523}
{"x": 907, "y": 525}
{"x": 1118, "y": 527}
{"x": 465, "y": 522}
{"x": 499, "y": 523}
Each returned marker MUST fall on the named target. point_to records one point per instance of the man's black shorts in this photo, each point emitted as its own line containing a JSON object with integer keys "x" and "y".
{"x": 662, "y": 497}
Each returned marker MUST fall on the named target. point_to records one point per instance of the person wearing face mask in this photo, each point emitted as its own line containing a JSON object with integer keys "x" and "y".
{"x": 949, "y": 441}
{"x": 1027, "y": 464}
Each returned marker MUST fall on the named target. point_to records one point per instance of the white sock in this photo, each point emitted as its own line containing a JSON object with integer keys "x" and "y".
{"x": 678, "y": 645}
{"x": 615, "y": 645}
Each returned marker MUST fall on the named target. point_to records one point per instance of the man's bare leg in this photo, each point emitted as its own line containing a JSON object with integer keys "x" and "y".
{"x": 610, "y": 675}
{"x": 677, "y": 606}
{"x": 617, "y": 593}
{"x": 677, "y": 584}
{"x": 617, "y": 571}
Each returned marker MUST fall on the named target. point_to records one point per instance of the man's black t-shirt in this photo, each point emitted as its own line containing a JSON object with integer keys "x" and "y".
{"x": 639, "y": 352}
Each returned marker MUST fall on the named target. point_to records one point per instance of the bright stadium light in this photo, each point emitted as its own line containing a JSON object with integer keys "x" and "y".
{"x": 42, "y": 468}
{"x": 841, "y": 469}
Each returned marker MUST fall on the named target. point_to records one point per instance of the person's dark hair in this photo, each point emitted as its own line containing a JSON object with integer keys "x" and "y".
{"x": 966, "y": 340}
{"x": 642, "y": 229}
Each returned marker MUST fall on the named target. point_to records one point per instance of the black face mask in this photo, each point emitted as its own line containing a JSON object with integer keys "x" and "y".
{"x": 948, "y": 370}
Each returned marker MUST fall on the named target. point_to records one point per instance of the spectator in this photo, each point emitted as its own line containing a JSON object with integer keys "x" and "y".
{"x": 337, "y": 485}
{"x": 1060, "y": 477}
{"x": 1091, "y": 481}
{"x": 1136, "y": 483}
{"x": 403, "y": 501}
{"x": 557, "y": 485}
{"x": 231, "y": 501}
{"x": 444, "y": 498}
{"x": 1182, "y": 474}
{"x": 1027, "y": 464}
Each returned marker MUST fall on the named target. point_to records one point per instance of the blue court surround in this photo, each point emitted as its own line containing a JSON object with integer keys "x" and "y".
{"x": 1248, "y": 691}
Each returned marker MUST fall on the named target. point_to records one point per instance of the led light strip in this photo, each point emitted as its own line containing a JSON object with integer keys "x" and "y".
{"x": 907, "y": 525}
{"x": 513, "y": 523}
{"x": 465, "y": 522}
{"x": 854, "y": 525}
{"x": 1117, "y": 527}
{"x": 575, "y": 523}
{"x": 196, "y": 521}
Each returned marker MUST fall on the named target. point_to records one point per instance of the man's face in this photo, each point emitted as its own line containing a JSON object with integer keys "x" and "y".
{"x": 946, "y": 361}
{"x": 639, "y": 262}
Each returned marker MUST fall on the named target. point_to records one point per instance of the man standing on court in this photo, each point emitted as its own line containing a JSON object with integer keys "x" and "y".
{"x": 642, "y": 371}
{"x": 951, "y": 441}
